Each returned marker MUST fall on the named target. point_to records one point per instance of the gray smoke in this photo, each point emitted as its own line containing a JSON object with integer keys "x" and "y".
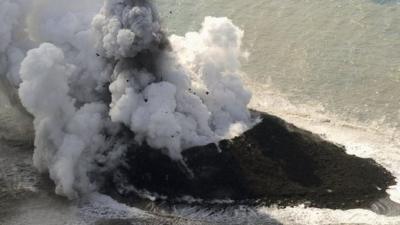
{"x": 94, "y": 69}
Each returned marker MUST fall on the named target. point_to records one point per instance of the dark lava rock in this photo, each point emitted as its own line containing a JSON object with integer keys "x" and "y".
{"x": 273, "y": 163}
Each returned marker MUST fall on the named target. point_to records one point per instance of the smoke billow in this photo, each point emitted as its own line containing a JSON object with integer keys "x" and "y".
{"x": 89, "y": 75}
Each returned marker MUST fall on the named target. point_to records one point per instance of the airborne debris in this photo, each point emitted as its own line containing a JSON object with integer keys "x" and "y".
{"x": 80, "y": 121}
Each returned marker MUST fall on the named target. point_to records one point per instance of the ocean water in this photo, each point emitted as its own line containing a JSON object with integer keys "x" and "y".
{"x": 340, "y": 55}
{"x": 329, "y": 66}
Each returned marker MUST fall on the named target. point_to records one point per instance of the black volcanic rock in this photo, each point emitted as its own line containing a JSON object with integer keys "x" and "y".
{"x": 273, "y": 163}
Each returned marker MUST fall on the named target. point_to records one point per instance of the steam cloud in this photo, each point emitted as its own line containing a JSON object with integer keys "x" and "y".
{"x": 87, "y": 72}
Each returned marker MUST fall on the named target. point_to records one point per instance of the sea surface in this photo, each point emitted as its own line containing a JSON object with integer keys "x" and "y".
{"x": 341, "y": 55}
{"x": 330, "y": 66}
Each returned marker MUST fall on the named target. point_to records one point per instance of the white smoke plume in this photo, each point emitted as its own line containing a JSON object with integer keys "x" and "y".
{"x": 13, "y": 45}
{"x": 91, "y": 74}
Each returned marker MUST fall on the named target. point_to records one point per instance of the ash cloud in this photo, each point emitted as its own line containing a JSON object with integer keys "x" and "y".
{"x": 87, "y": 73}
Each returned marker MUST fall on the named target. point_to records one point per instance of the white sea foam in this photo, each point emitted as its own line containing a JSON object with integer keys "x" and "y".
{"x": 363, "y": 140}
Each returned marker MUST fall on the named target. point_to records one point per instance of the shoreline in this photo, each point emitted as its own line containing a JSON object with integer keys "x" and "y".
{"x": 283, "y": 165}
